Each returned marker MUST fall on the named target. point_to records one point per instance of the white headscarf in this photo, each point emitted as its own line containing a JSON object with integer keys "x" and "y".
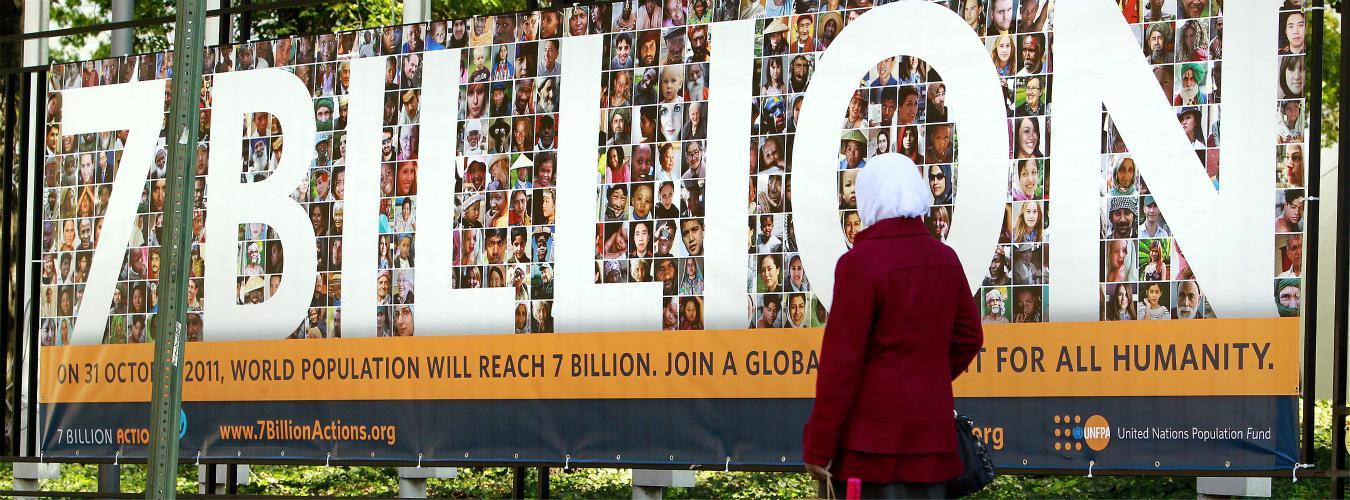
{"x": 891, "y": 186}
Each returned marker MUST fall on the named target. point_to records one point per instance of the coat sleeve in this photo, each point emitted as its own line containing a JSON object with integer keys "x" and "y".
{"x": 967, "y": 334}
{"x": 841, "y": 361}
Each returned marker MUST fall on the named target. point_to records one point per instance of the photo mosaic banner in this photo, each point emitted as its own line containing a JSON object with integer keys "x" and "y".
{"x": 584, "y": 173}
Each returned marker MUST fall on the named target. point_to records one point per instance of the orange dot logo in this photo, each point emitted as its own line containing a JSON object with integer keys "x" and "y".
{"x": 1097, "y": 432}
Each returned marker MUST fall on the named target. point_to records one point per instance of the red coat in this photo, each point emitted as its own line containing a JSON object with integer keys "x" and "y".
{"x": 903, "y": 326}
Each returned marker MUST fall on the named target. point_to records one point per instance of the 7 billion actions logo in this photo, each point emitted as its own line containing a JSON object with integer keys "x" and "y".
{"x": 1072, "y": 432}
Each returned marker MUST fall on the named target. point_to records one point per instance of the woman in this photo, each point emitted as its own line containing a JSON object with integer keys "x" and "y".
{"x": 1001, "y": 54}
{"x": 883, "y": 143}
{"x": 545, "y": 210}
{"x": 692, "y": 281}
{"x": 911, "y": 72}
{"x": 1028, "y": 138}
{"x": 1119, "y": 301}
{"x": 699, "y": 13}
{"x": 627, "y": 19}
{"x": 1194, "y": 42}
{"x": 543, "y": 318}
{"x": 939, "y": 222}
{"x": 1027, "y": 227}
{"x": 1026, "y": 184}
{"x": 82, "y": 263}
{"x": 909, "y": 144}
{"x": 773, "y": 77}
{"x": 384, "y": 252}
{"x": 924, "y": 334}
{"x": 616, "y": 166}
{"x": 276, "y": 260}
{"x": 544, "y": 96}
{"x": 1291, "y": 77}
{"x": 496, "y": 277}
{"x": 503, "y": 69}
{"x": 797, "y": 281}
{"x": 1156, "y": 270}
{"x": 1152, "y": 305}
{"x": 856, "y": 116}
{"x": 940, "y": 184}
{"x": 86, "y": 202}
{"x": 672, "y": 117}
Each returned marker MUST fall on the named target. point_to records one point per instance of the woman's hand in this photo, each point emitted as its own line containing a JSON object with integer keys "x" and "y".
{"x": 819, "y": 472}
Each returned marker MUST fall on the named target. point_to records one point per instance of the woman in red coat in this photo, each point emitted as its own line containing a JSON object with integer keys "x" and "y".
{"x": 903, "y": 326}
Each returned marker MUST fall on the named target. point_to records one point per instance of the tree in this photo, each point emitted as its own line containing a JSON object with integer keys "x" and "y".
{"x": 326, "y": 17}
{"x": 154, "y": 38}
{"x": 1331, "y": 75}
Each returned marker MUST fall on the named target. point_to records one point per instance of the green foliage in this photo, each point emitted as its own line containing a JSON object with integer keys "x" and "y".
{"x": 328, "y": 17}
{"x": 452, "y": 9}
{"x": 154, "y": 38}
{"x": 321, "y": 481}
{"x": 1331, "y": 79}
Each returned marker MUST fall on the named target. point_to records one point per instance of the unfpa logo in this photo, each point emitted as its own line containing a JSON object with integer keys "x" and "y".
{"x": 1072, "y": 432}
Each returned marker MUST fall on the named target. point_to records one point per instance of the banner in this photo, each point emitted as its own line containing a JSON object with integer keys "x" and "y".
{"x": 466, "y": 159}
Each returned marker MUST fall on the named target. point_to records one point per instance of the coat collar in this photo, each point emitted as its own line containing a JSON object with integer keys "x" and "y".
{"x": 893, "y": 227}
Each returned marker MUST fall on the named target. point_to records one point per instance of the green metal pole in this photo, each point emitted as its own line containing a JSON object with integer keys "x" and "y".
{"x": 181, "y": 136}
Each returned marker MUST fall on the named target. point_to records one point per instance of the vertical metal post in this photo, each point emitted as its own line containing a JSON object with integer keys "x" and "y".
{"x": 33, "y": 139}
{"x": 245, "y": 22}
{"x": 210, "y": 488}
{"x": 226, "y": 26}
{"x": 1314, "y": 156}
{"x": 26, "y": 136}
{"x": 416, "y": 11}
{"x": 518, "y": 482}
{"x": 16, "y": 400}
{"x": 1342, "y": 290}
{"x": 123, "y": 39}
{"x": 541, "y": 488}
{"x": 181, "y": 136}
{"x": 8, "y": 286}
{"x": 232, "y": 479}
{"x": 109, "y": 478}
{"x": 110, "y": 475}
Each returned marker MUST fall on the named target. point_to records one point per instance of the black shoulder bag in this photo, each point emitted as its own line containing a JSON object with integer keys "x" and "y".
{"x": 977, "y": 469}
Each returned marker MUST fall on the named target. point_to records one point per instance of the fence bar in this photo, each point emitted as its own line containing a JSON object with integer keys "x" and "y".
{"x": 1314, "y": 208}
{"x": 12, "y": 291}
{"x": 32, "y": 138}
{"x": 1342, "y": 282}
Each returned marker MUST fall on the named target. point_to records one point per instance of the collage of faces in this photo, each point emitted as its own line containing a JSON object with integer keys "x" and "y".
{"x": 900, "y": 106}
{"x": 1144, "y": 271}
{"x": 77, "y": 176}
{"x": 505, "y": 188}
{"x": 652, "y": 152}
{"x": 652, "y": 161}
